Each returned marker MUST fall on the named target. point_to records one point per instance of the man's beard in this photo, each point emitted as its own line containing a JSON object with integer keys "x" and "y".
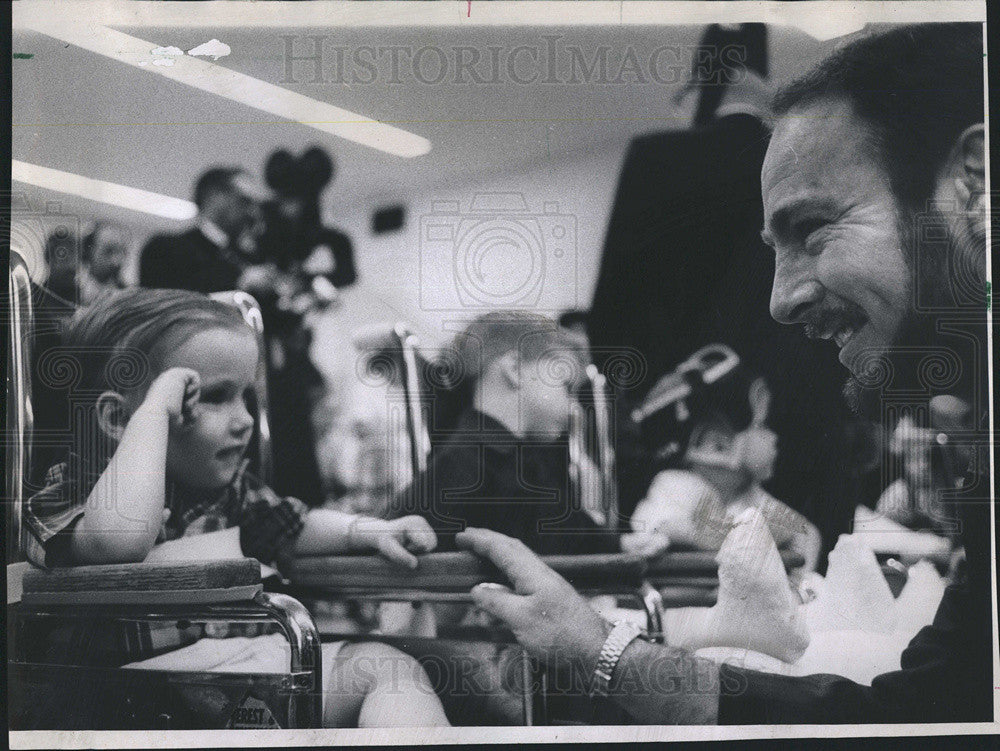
{"x": 916, "y": 330}
{"x": 937, "y": 273}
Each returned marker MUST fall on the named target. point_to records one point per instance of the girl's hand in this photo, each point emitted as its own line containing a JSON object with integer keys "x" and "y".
{"x": 396, "y": 540}
{"x": 176, "y": 391}
{"x": 646, "y": 544}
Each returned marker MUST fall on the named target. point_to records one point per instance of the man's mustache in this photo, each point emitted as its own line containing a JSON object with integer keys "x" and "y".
{"x": 827, "y": 320}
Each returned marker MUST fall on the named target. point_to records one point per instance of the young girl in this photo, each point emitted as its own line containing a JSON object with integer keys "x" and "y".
{"x": 159, "y": 454}
{"x": 727, "y": 453}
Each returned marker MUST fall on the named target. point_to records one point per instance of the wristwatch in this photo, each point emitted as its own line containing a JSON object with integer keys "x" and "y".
{"x": 622, "y": 634}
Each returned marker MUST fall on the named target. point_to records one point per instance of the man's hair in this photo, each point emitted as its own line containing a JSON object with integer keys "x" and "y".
{"x": 917, "y": 86}
{"x": 530, "y": 335}
{"x": 120, "y": 340}
{"x": 215, "y": 179}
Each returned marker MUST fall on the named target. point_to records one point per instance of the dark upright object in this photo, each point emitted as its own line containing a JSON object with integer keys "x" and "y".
{"x": 684, "y": 266}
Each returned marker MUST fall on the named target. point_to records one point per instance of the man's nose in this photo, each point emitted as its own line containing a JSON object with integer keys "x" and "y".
{"x": 794, "y": 291}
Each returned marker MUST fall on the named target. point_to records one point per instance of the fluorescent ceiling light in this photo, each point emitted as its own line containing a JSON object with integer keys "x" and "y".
{"x": 135, "y": 199}
{"x": 238, "y": 87}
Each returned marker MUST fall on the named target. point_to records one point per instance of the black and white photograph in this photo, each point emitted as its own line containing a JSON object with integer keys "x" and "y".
{"x": 409, "y": 373}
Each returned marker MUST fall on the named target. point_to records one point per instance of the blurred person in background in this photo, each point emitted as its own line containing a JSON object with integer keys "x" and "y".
{"x": 80, "y": 278}
{"x": 219, "y": 252}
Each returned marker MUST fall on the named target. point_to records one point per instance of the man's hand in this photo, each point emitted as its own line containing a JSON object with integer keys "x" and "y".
{"x": 176, "y": 391}
{"x": 547, "y": 616}
{"x": 396, "y": 540}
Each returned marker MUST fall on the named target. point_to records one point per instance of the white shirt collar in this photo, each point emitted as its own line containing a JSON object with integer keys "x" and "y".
{"x": 213, "y": 232}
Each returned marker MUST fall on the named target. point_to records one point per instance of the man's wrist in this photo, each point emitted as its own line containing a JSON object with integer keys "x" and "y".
{"x": 592, "y": 648}
{"x": 620, "y": 637}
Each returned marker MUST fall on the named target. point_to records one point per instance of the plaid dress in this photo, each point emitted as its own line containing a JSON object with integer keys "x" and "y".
{"x": 269, "y": 523}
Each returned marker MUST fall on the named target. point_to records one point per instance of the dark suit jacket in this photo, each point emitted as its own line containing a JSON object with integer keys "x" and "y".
{"x": 187, "y": 261}
{"x": 485, "y": 476}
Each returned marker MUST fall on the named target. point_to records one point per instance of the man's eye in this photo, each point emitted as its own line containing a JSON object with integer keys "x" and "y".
{"x": 806, "y": 227}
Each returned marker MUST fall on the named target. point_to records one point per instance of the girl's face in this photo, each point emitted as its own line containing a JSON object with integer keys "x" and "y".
{"x": 206, "y": 452}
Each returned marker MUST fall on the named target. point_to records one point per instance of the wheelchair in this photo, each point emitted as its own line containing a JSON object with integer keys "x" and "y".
{"x": 71, "y": 632}
{"x": 75, "y": 635}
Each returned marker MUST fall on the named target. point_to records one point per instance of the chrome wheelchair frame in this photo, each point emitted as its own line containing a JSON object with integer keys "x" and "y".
{"x": 80, "y": 595}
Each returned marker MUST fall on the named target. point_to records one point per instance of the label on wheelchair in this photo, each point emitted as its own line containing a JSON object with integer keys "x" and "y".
{"x": 252, "y": 713}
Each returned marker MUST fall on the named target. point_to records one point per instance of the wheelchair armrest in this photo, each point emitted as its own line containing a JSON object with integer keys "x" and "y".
{"x": 185, "y": 583}
{"x": 454, "y": 572}
{"x": 702, "y": 564}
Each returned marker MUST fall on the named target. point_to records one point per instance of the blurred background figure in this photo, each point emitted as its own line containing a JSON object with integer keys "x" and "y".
{"x": 931, "y": 467}
{"x": 220, "y": 252}
{"x": 295, "y": 238}
{"x": 365, "y": 452}
{"x": 720, "y": 451}
{"x": 81, "y": 277}
{"x": 305, "y": 262}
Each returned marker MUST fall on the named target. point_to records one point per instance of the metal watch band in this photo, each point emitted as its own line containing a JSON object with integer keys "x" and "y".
{"x": 622, "y": 634}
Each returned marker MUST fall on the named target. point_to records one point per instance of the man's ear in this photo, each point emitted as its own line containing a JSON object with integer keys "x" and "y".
{"x": 112, "y": 414}
{"x": 509, "y": 369}
{"x": 968, "y": 170}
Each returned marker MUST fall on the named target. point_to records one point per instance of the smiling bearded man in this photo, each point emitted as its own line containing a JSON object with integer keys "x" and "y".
{"x": 873, "y": 201}
{"x": 873, "y": 196}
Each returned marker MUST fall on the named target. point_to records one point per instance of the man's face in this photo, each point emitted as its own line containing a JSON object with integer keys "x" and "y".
{"x": 237, "y": 211}
{"x": 547, "y": 386}
{"x": 109, "y": 254}
{"x": 833, "y": 221}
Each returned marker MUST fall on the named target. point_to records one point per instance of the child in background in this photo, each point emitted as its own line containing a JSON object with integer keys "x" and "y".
{"x": 729, "y": 451}
{"x": 505, "y": 465}
{"x": 160, "y": 454}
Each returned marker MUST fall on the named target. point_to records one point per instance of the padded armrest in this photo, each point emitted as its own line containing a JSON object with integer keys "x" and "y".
{"x": 189, "y": 582}
{"x": 455, "y": 572}
{"x": 701, "y": 563}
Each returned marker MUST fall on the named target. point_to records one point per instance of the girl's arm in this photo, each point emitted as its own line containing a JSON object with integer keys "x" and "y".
{"x": 329, "y": 532}
{"x": 124, "y": 511}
